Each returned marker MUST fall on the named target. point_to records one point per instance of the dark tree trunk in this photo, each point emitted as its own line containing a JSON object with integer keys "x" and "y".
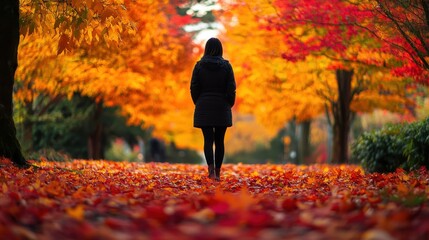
{"x": 304, "y": 141}
{"x": 293, "y": 149}
{"x": 342, "y": 116}
{"x": 95, "y": 141}
{"x": 9, "y": 41}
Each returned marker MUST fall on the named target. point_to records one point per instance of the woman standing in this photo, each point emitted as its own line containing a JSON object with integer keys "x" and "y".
{"x": 213, "y": 93}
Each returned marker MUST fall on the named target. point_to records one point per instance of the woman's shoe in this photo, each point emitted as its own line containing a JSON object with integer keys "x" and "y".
{"x": 217, "y": 174}
{"x": 211, "y": 169}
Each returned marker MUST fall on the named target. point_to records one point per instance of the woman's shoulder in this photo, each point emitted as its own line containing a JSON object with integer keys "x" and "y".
{"x": 213, "y": 61}
{"x": 227, "y": 64}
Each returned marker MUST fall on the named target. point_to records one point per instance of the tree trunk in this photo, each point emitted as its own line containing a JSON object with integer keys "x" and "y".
{"x": 293, "y": 149}
{"x": 9, "y": 41}
{"x": 304, "y": 141}
{"x": 95, "y": 141}
{"x": 342, "y": 116}
{"x": 330, "y": 144}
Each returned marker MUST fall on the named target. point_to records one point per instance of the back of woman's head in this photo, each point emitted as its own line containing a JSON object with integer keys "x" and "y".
{"x": 213, "y": 48}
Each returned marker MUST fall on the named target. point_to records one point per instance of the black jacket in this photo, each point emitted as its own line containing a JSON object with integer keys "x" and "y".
{"x": 213, "y": 92}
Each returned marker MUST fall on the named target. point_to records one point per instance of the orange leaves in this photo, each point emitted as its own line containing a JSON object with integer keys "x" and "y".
{"x": 120, "y": 52}
{"x": 84, "y": 22}
{"x": 76, "y": 212}
{"x": 236, "y": 202}
{"x": 100, "y": 199}
{"x": 277, "y": 84}
{"x": 63, "y": 43}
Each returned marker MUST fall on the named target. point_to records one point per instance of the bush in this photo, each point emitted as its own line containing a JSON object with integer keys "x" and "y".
{"x": 417, "y": 149}
{"x": 381, "y": 150}
{"x": 394, "y": 146}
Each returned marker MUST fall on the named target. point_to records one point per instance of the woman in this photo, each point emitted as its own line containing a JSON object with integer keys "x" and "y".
{"x": 213, "y": 93}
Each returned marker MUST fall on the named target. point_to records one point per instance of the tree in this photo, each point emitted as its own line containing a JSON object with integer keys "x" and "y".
{"x": 275, "y": 91}
{"x": 323, "y": 58}
{"x": 404, "y": 26}
{"x": 338, "y": 35}
{"x": 39, "y": 18}
{"x": 9, "y": 41}
{"x": 71, "y": 19}
{"x": 68, "y": 126}
{"x": 65, "y": 22}
{"x": 141, "y": 69}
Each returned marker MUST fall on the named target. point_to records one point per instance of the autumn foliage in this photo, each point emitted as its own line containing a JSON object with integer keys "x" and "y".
{"x": 300, "y": 60}
{"x": 133, "y": 55}
{"x": 110, "y": 200}
{"x": 287, "y": 57}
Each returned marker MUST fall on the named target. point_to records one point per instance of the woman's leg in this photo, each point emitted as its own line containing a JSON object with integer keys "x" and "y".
{"x": 208, "y": 144}
{"x": 219, "y": 135}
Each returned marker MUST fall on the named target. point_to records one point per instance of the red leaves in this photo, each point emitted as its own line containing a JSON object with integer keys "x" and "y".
{"x": 289, "y": 204}
{"x": 316, "y": 25}
{"x": 98, "y": 199}
{"x": 345, "y": 30}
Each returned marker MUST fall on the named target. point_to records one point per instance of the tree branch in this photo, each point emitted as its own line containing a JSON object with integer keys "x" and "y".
{"x": 404, "y": 34}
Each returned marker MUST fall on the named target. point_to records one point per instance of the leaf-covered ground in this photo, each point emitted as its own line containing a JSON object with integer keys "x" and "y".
{"x": 109, "y": 200}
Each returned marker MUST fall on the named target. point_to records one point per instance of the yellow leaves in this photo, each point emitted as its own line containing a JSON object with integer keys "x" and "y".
{"x": 272, "y": 89}
{"x": 122, "y": 54}
{"x": 37, "y": 184}
{"x": 90, "y": 35}
{"x": 404, "y": 177}
{"x": 254, "y": 174}
{"x": 299, "y": 31}
{"x": 78, "y": 19}
{"x": 77, "y": 212}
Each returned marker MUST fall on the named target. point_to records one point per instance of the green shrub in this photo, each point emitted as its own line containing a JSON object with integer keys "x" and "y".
{"x": 381, "y": 150}
{"x": 416, "y": 136}
{"x": 394, "y": 146}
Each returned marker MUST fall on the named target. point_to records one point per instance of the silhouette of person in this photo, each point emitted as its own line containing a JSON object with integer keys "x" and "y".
{"x": 213, "y": 93}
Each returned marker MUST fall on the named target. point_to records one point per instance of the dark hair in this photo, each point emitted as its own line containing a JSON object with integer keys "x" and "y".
{"x": 213, "y": 48}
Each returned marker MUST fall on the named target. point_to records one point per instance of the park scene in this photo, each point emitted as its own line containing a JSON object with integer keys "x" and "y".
{"x": 103, "y": 134}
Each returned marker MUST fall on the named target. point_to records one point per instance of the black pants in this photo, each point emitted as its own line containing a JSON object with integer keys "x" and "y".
{"x": 216, "y": 135}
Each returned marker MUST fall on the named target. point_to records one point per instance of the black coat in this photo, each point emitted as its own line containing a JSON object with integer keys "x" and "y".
{"x": 213, "y": 92}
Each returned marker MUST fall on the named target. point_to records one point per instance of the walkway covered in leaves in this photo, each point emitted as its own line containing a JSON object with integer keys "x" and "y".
{"x": 110, "y": 200}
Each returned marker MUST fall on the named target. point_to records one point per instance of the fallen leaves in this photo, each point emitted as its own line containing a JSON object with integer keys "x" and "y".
{"x": 111, "y": 200}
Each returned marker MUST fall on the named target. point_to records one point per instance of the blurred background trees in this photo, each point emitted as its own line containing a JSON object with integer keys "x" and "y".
{"x": 103, "y": 80}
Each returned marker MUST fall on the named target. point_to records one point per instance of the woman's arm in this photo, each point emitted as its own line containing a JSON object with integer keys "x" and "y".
{"x": 230, "y": 87}
{"x": 195, "y": 88}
